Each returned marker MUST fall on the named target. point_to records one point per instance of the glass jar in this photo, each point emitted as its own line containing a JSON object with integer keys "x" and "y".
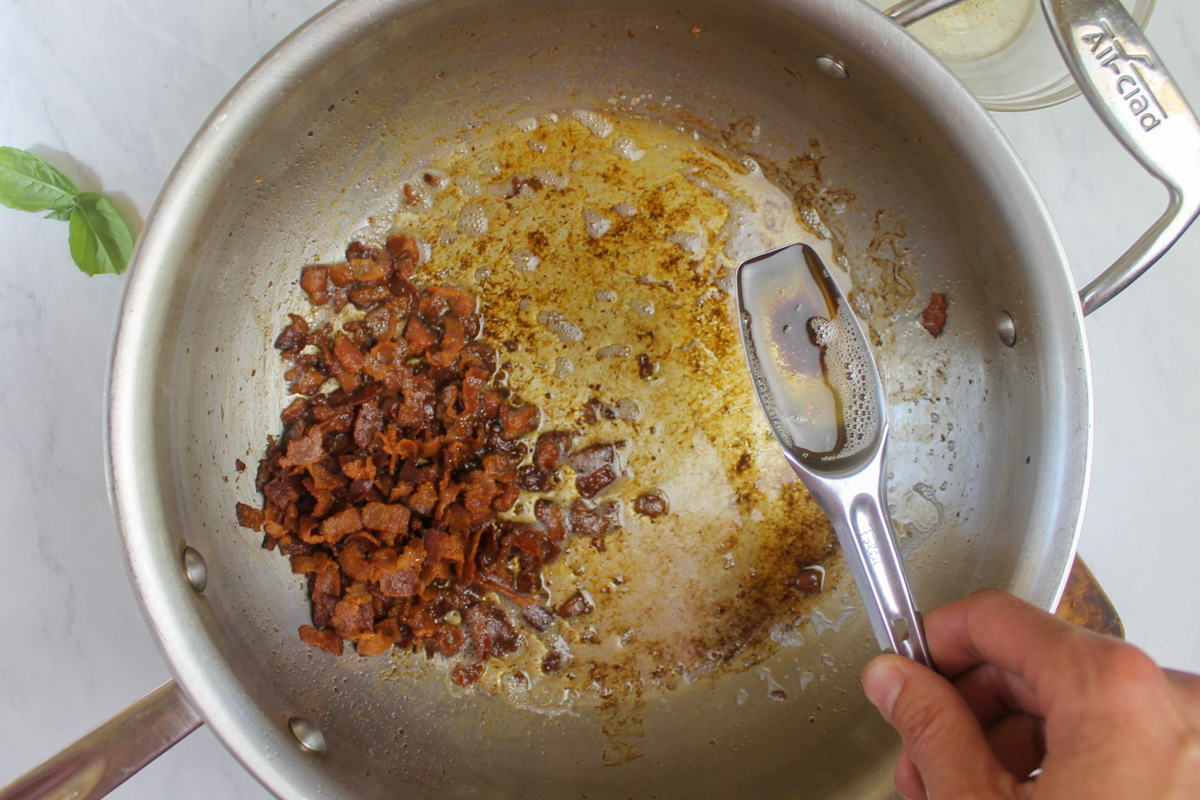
{"x": 1003, "y": 50}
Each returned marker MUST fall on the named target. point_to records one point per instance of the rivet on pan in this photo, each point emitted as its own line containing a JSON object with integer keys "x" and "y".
{"x": 832, "y": 68}
{"x": 195, "y": 569}
{"x": 1007, "y": 329}
{"x": 307, "y": 734}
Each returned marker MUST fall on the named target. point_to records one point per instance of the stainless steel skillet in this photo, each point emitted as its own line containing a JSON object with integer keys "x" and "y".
{"x": 189, "y": 286}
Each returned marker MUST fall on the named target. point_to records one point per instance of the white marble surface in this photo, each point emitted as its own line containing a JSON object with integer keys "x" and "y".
{"x": 112, "y": 91}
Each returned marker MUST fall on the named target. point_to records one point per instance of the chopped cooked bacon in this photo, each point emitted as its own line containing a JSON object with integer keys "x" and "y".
{"x": 366, "y": 270}
{"x": 551, "y": 447}
{"x": 595, "y": 468}
{"x": 349, "y": 355}
{"x": 576, "y": 605}
{"x": 420, "y": 335}
{"x": 249, "y": 517}
{"x": 492, "y": 633}
{"x": 326, "y": 639}
{"x": 592, "y": 458}
{"x": 517, "y": 422}
{"x": 585, "y": 519}
{"x": 401, "y": 583}
{"x": 551, "y": 518}
{"x": 368, "y": 423}
{"x": 466, "y": 674}
{"x": 351, "y": 618}
{"x": 594, "y": 482}
{"x": 534, "y": 479}
{"x": 406, "y": 254}
{"x": 341, "y": 524}
{"x": 314, "y": 281}
{"x": 389, "y": 519}
{"x": 294, "y": 336}
{"x": 386, "y": 487}
{"x": 282, "y": 493}
{"x": 933, "y": 318}
{"x": 652, "y": 504}
{"x": 372, "y": 644}
{"x": 538, "y": 617}
{"x": 302, "y": 564}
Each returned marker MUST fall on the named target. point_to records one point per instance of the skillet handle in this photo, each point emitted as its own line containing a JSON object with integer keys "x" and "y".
{"x": 1128, "y": 86}
{"x": 910, "y": 12}
{"x": 100, "y": 761}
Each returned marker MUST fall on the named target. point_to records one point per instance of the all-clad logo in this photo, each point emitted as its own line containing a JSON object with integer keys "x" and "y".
{"x": 1112, "y": 53}
{"x": 871, "y": 545}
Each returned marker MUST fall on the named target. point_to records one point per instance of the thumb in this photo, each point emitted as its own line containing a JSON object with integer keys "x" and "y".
{"x": 941, "y": 734}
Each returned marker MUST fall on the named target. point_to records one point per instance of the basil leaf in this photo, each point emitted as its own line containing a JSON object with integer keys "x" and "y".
{"x": 100, "y": 239}
{"x": 29, "y": 184}
{"x": 62, "y": 213}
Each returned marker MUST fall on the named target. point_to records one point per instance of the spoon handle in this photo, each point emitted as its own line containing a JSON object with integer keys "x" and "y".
{"x": 865, "y": 533}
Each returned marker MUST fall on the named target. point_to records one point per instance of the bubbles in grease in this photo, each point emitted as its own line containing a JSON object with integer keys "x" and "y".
{"x": 850, "y": 373}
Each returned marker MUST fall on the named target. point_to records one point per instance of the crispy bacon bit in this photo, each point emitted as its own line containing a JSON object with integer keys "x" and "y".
{"x": 307, "y": 450}
{"x": 372, "y": 644}
{"x": 368, "y": 423}
{"x": 538, "y": 617}
{"x": 552, "y": 662}
{"x": 491, "y": 631}
{"x": 646, "y": 367}
{"x": 341, "y": 524}
{"x": 385, "y": 484}
{"x": 550, "y": 449}
{"x": 368, "y": 295}
{"x": 303, "y": 379}
{"x": 351, "y": 618}
{"x": 350, "y": 356}
{"x": 551, "y": 518}
{"x": 933, "y": 318}
{"x": 326, "y": 639}
{"x": 576, "y": 605}
{"x": 652, "y": 504}
{"x": 517, "y": 422}
{"x": 402, "y": 583}
{"x": 249, "y": 517}
{"x": 586, "y": 519}
{"x": 294, "y": 336}
{"x": 466, "y": 674}
{"x": 594, "y": 482}
{"x": 449, "y": 640}
{"x": 809, "y": 581}
{"x": 365, "y": 270}
{"x": 390, "y": 520}
{"x": 340, "y": 275}
{"x": 533, "y": 479}
{"x": 419, "y": 335}
{"x": 314, "y": 281}
{"x": 592, "y": 458}
{"x": 594, "y": 468}
{"x": 405, "y": 254}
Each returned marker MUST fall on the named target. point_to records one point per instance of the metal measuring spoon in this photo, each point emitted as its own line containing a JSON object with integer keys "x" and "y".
{"x": 818, "y": 386}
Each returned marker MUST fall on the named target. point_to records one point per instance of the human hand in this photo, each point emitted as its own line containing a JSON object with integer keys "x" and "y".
{"x": 1027, "y": 690}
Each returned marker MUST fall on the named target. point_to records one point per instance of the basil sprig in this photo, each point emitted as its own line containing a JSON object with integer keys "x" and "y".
{"x": 100, "y": 239}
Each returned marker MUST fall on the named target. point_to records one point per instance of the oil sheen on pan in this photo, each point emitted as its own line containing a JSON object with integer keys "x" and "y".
{"x": 602, "y": 249}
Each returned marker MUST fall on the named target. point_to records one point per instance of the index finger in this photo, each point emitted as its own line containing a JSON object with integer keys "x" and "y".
{"x": 989, "y": 626}
{"x": 996, "y": 628}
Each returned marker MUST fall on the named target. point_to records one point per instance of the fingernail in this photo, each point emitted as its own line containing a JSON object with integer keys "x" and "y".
{"x": 882, "y": 681}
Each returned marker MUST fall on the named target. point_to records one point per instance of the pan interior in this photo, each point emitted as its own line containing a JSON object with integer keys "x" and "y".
{"x": 916, "y": 192}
